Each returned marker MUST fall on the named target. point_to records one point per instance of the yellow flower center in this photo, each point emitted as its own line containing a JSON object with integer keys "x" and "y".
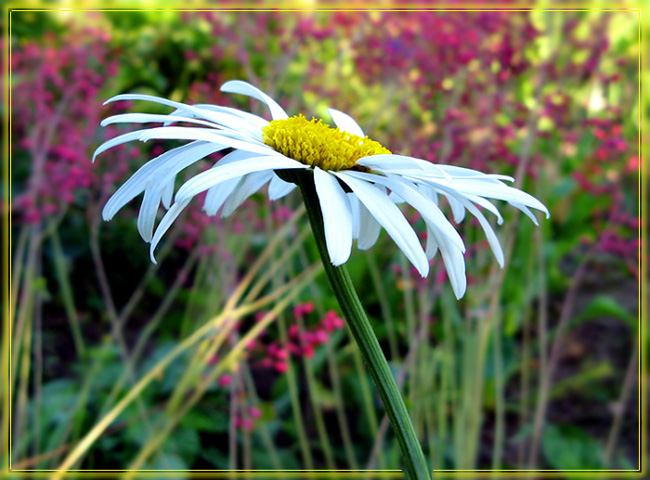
{"x": 317, "y": 144}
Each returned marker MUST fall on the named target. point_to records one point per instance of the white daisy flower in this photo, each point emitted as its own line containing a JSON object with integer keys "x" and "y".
{"x": 358, "y": 181}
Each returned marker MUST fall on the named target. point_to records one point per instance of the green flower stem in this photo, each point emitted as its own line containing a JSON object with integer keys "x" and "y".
{"x": 412, "y": 456}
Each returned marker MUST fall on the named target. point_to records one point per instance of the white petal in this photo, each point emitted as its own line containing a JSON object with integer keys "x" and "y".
{"x": 429, "y": 210}
{"x": 456, "y": 171}
{"x": 216, "y": 196}
{"x": 526, "y": 211}
{"x": 155, "y": 171}
{"x": 136, "y": 184}
{"x": 337, "y": 217}
{"x": 452, "y": 173}
{"x": 164, "y": 225}
{"x": 208, "y": 135}
{"x": 243, "y": 88}
{"x": 457, "y": 209}
{"x": 227, "y": 121}
{"x": 354, "y": 210}
{"x": 148, "y": 98}
{"x": 248, "y": 186}
{"x": 504, "y": 192}
{"x": 450, "y": 193}
{"x": 486, "y": 204}
{"x": 204, "y": 113}
{"x": 148, "y": 211}
{"x": 432, "y": 246}
{"x": 488, "y": 188}
{"x": 236, "y": 156}
{"x": 390, "y": 162}
{"x": 167, "y": 193}
{"x": 221, "y": 173}
{"x": 428, "y": 192}
{"x": 167, "y": 173}
{"x": 489, "y": 233}
{"x": 251, "y": 118}
{"x": 391, "y": 218}
{"x": 364, "y": 226}
{"x": 345, "y": 122}
{"x": 396, "y": 198}
{"x": 150, "y": 118}
{"x": 452, "y": 255}
{"x": 369, "y": 229}
{"x": 278, "y": 188}
{"x": 455, "y": 266}
{"x": 171, "y": 169}
{"x": 438, "y": 227}
{"x": 119, "y": 140}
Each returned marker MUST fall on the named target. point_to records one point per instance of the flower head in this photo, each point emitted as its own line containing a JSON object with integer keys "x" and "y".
{"x": 316, "y": 144}
{"x": 358, "y": 181}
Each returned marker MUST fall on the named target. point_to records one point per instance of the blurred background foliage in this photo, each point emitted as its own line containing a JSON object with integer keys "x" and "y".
{"x": 213, "y": 359}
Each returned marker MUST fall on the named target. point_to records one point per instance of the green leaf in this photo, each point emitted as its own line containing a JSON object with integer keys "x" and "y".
{"x": 166, "y": 461}
{"x": 184, "y": 443}
{"x": 215, "y": 457}
{"x": 214, "y": 421}
{"x": 567, "y": 447}
{"x": 606, "y": 306}
{"x": 582, "y": 380}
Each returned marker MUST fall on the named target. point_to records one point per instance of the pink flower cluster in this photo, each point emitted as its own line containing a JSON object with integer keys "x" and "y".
{"x": 246, "y": 420}
{"x": 275, "y": 355}
{"x": 622, "y": 239}
{"x": 54, "y": 110}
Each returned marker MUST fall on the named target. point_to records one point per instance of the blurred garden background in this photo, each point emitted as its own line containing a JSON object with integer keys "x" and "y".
{"x": 230, "y": 352}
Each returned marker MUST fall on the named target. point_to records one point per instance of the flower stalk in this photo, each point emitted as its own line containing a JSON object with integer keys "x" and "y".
{"x": 412, "y": 455}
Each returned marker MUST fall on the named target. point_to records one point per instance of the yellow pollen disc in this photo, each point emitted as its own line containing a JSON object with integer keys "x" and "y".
{"x": 317, "y": 144}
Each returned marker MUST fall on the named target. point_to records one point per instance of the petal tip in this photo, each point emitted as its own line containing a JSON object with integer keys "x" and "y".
{"x": 423, "y": 269}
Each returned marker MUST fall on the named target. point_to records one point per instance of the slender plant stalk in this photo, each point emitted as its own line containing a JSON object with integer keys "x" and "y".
{"x": 309, "y": 374}
{"x": 366, "y": 393}
{"x": 246, "y": 448}
{"x": 384, "y": 305}
{"x": 292, "y": 373}
{"x": 546, "y": 378}
{"x": 340, "y": 410}
{"x": 499, "y": 400}
{"x": 23, "y": 307}
{"x": 17, "y": 267}
{"x": 66, "y": 294}
{"x": 335, "y": 377}
{"x": 291, "y": 290}
{"x": 232, "y": 427}
{"x": 524, "y": 394}
{"x": 316, "y": 408}
{"x": 148, "y": 330}
{"x": 292, "y": 383}
{"x": 412, "y": 456}
{"x": 262, "y": 428}
{"x": 37, "y": 370}
{"x": 401, "y": 378}
{"x": 422, "y": 367}
{"x": 228, "y": 363}
{"x": 628, "y": 385}
{"x": 409, "y": 311}
{"x": 441, "y": 407}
